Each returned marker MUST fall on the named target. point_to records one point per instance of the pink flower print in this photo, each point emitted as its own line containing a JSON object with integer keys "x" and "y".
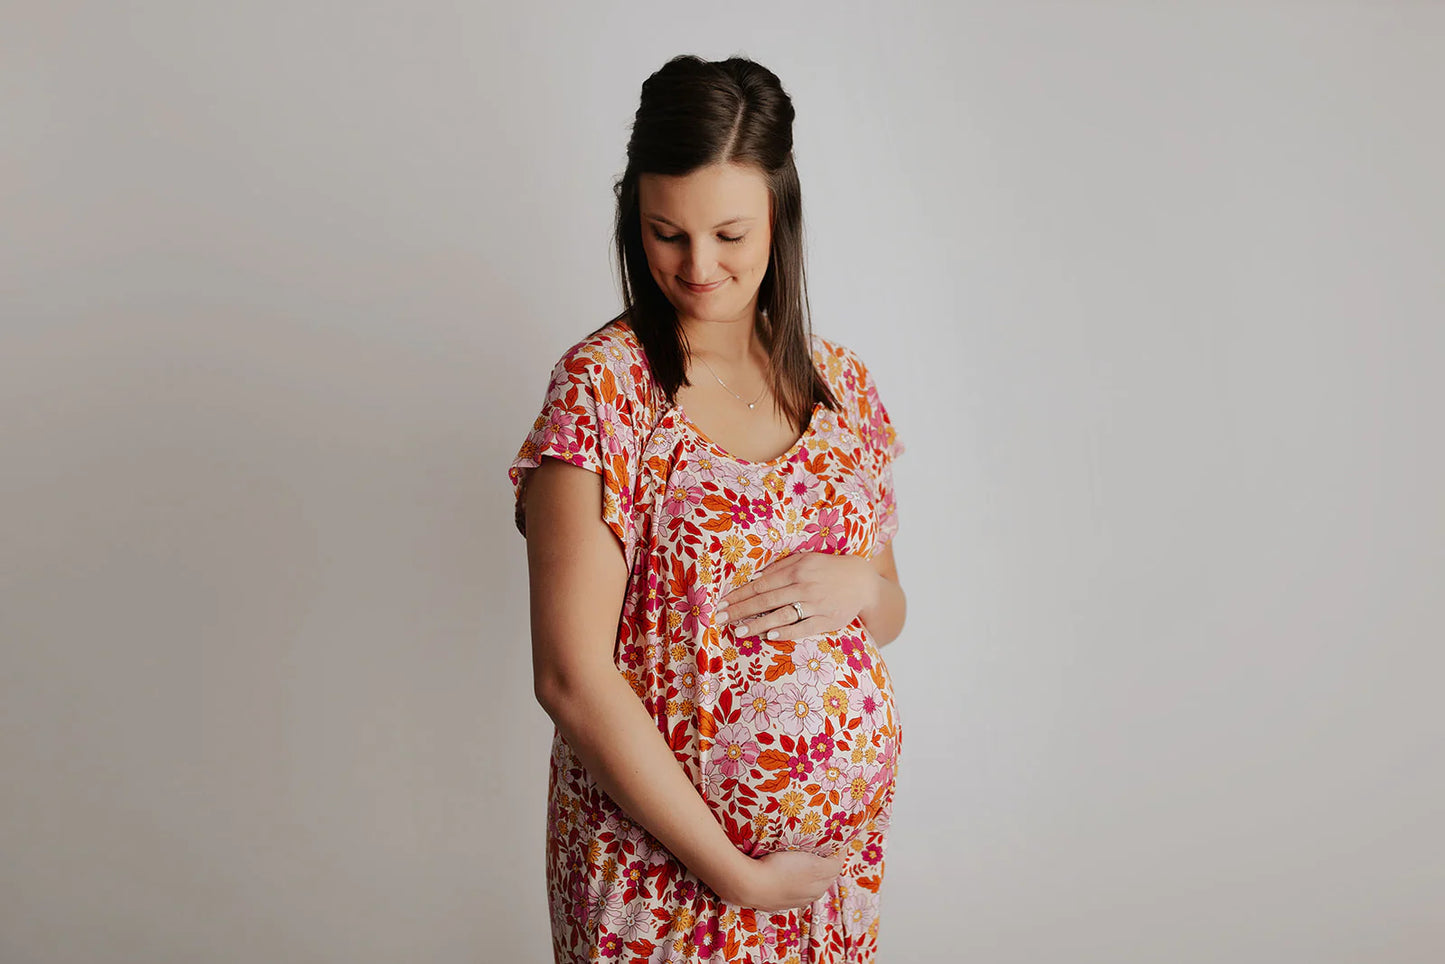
{"x": 820, "y": 747}
{"x": 763, "y": 510}
{"x": 610, "y": 945}
{"x": 655, "y": 587}
{"x": 761, "y": 705}
{"x": 799, "y": 766}
{"x": 836, "y": 823}
{"x": 707, "y": 935}
{"x": 750, "y": 645}
{"x": 858, "y": 658}
{"x": 872, "y": 853}
{"x": 733, "y": 749}
{"x": 609, "y": 426}
{"x": 887, "y": 761}
{"x": 681, "y": 499}
{"x": 826, "y": 533}
{"x": 811, "y": 664}
{"x": 802, "y": 709}
{"x": 558, "y": 430}
{"x": 742, "y": 511}
{"x": 697, "y": 609}
{"x": 869, "y": 701}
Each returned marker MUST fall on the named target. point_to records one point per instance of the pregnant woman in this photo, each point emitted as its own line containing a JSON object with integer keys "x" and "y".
{"x": 707, "y": 498}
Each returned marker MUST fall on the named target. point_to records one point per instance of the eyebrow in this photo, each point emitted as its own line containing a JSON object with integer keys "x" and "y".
{"x": 720, "y": 224}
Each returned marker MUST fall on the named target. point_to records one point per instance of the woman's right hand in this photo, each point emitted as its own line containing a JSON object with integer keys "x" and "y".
{"x": 787, "y": 879}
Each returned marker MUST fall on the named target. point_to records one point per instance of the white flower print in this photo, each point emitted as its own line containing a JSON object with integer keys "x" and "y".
{"x": 802, "y": 709}
{"x": 603, "y": 899}
{"x": 707, "y": 468}
{"x": 761, "y": 705}
{"x": 811, "y": 664}
{"x": 632, "y": 921}
{"x": 707, "y": 688}
{"x": 836, "y": 775}
{"x": 741, "y": 482}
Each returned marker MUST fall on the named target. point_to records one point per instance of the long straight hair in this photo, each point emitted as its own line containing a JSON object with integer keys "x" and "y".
{"x": 694, "y": 113}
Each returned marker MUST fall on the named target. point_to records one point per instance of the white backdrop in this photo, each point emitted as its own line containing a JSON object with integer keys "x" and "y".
{"x": 1153, "y": 294}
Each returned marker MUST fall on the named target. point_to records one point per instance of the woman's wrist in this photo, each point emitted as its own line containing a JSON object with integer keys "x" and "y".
{"x": 736, "y": 880}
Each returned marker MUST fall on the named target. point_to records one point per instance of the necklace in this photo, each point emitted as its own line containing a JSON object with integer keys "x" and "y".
{"x": 730, "y": 391}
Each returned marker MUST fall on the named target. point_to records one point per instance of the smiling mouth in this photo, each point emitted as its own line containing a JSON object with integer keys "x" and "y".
{"x": 706, "y": 287}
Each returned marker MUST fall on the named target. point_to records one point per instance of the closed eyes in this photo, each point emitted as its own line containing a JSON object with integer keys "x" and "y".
{"x": 670, "y": 238}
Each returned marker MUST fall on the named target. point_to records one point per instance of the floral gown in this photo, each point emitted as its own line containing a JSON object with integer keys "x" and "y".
{"x": 794, "y": 744}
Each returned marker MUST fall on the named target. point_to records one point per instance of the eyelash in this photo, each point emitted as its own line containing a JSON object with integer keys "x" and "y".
{"x": 676, "y": 237}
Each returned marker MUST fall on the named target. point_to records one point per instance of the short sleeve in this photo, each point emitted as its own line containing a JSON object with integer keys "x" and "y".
{"x": 884, "y": 446}
{"x": 586, "y": 420}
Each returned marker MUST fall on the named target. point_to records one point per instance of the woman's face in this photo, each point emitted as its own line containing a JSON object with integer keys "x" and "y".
{"x": 713, "y": 228}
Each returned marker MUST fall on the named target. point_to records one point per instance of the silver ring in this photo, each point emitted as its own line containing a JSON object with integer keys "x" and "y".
{"x": 798, "y": 608}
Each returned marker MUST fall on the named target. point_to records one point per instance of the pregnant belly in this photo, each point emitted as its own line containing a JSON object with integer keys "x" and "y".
{"x": 800, "y": 747}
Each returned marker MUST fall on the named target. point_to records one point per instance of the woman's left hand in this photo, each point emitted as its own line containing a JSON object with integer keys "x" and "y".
{"x": 832, "y": 589}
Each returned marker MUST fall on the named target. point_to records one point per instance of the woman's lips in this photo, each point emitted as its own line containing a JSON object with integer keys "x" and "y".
{"x": 701, "y": 288}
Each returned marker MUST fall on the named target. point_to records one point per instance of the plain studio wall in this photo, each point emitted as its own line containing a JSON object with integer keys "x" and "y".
{"x": 1153, "y": 292}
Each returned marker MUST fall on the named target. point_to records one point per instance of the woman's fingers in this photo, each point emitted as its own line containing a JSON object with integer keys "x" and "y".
{"x": 784, "y": 624}
{"x": 759, "y": 605}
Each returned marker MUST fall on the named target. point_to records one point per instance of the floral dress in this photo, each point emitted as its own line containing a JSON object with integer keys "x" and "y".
{"x": 794, "y": 744}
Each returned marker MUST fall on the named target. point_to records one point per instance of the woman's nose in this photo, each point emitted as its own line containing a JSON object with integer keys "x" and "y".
{"x": 701, "y": 260}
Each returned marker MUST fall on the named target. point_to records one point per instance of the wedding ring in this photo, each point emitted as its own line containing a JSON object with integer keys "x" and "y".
{"x": 798, "y": 608}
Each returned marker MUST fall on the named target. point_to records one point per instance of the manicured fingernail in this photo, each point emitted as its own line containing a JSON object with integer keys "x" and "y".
{"x": 741, "y": 629}
{"x": 722, "y": 615}
{"x": 772, "y": 634}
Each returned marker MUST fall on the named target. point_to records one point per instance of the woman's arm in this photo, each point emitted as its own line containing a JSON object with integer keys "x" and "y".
{"x": 888, "y": 607}
{"x": 578, "y": 580}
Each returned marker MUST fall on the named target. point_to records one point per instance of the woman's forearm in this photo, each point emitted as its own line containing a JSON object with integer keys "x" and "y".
{"x": 885, "y": 613}
{"x": 610, "y": 731}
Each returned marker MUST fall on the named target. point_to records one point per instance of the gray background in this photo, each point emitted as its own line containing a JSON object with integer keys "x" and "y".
{"x": 1152, "y": 291}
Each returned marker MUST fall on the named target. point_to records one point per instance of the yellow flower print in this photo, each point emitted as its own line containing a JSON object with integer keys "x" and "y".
{"x": 790, "y": 804}
{"x": 835, "y": 701}
{"x": 734, "y": 547}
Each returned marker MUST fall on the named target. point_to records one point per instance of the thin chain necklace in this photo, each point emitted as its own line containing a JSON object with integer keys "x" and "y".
{"x": 730, "y": 391}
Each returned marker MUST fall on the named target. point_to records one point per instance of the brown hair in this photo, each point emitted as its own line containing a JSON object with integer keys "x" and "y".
{"x": 694, "y": 113}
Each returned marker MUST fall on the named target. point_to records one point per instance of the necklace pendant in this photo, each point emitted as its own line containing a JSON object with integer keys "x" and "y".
{"x": 751, "y": 404}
